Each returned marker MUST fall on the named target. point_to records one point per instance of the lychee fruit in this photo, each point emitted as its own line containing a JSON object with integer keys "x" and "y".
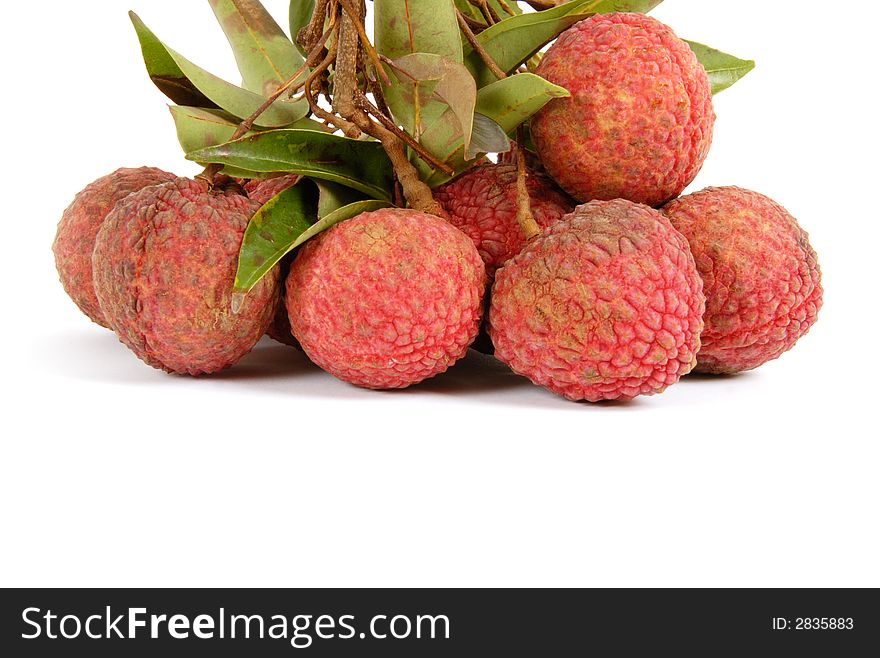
{"x": 638, "y": 124}
{"x": 164, "y": 268}
{"x": 279, "y": 329}
{"x": 483, "y": 204}
{"x": 760, "y": 274}
{"x": 606, "y": 304}
{"x": 386, "y": 299}
{"x": 262, "y": 190}
{"x": 79, "y": 225}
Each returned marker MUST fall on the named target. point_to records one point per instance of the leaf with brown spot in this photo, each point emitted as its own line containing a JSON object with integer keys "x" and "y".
{"x": 163, "y": 64}
{"x": 285, "y": 223}
{"x": 404, "y": 27}
{"x": 361, "y": 165}
{"x": 265, "y": 55}
{"x": 199, "y": 128}
{"x": 164, "y": 71}
{"x": 423, "y": 86}
{"x": 512, "y": 101}
{"x": 507, "y": 103}
{"x": 272, "y": 231}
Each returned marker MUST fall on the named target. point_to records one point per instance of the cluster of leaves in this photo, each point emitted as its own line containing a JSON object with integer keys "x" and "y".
{"x": 439, "y": 87}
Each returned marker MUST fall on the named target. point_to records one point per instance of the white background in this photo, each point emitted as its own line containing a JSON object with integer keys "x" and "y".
{"x": 275, "y": 474}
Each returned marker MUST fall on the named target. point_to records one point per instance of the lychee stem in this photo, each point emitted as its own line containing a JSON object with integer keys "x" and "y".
{"x": 523, "y": 202}
{"x": 506, "y": 8}
{"x": 365, "y": 42}
{"x": 348, "y": 103}
{"x": 311, "y": 33}
{"x": 478, "y": 47}
{"x": 341, "y": 24}
{"x": 487, "y": 11}
{"x": 364, "y": 104}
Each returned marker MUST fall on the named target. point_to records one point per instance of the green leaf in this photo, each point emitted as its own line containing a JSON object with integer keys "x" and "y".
{"x": 423, "y": 78}
{"x": 265, "y": 56}
{"x": 271, "y": 232}
{"x": 164, "y": 71}
{"x": 332, "y": 197}
{"x": 508, "y": 103}
{"x": 239, "y": 102}
{"x": 488, "y": 137}
{"x": 361, "y": 165}
{"x": 199, "y": 128}
{"x": 300, "y": 15}
{"x": 340, "y": 215}
{"x": 281, "y": 226}
{"x": 723, "y": 70}
{"x": 514, "y": 40}
{"x": 404, "y": 27}
{"x": 471, "y": 11}
{"x": 514, "y": 100}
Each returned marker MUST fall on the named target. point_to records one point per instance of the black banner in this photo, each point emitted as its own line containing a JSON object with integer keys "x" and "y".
{"x": 515, "y": 622}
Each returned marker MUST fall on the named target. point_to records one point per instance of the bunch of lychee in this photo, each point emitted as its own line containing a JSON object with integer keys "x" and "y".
{"x": 618, "y": 297}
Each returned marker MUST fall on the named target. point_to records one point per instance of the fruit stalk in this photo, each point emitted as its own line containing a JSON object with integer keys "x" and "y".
{"x": 523, "y": 202}
{"x": 349, "y": 103}
{"x": 478, "y": 47}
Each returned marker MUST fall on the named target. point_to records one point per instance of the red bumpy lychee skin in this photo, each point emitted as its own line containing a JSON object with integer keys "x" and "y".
{"x": 387, "y": 299}
{"x": 638, "y": 124}
{"x": 164, "y": 268}
{"x": 761, "y": 276}
{"x": 606, "y": 304}
{"x": 482, "y": 203}
{"x": 279, "y": 330}
{"x": 79, "y": 227}
{"x": 263, "y": 190}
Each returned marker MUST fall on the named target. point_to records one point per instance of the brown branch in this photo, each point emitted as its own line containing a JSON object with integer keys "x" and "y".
{"x": 353, "y": 113}
{"x": 314, "y": 58}
{"x": 365, "y": 42}
{"x": 397, "y": 194}
{"x": 245, "y": 126}
{"x": 317, "y": 73}
{"x": 415, "y": 191}
{"x": 346, "y": 67}
{"x": 478, "y": 47}
{"x": 487, "y": 11}
{"x": 474, "y": 24}
{"x": 523, "y": 202}
{"x": 309, "y": 35}
{"x": 379, "y": 95}
{"x": 417, "y": 194}
{"x": 347, "y": 127}
{"x": 345, "y": 94}
{"x": 506, "y": 7}
{"x": 364, "y": 104}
